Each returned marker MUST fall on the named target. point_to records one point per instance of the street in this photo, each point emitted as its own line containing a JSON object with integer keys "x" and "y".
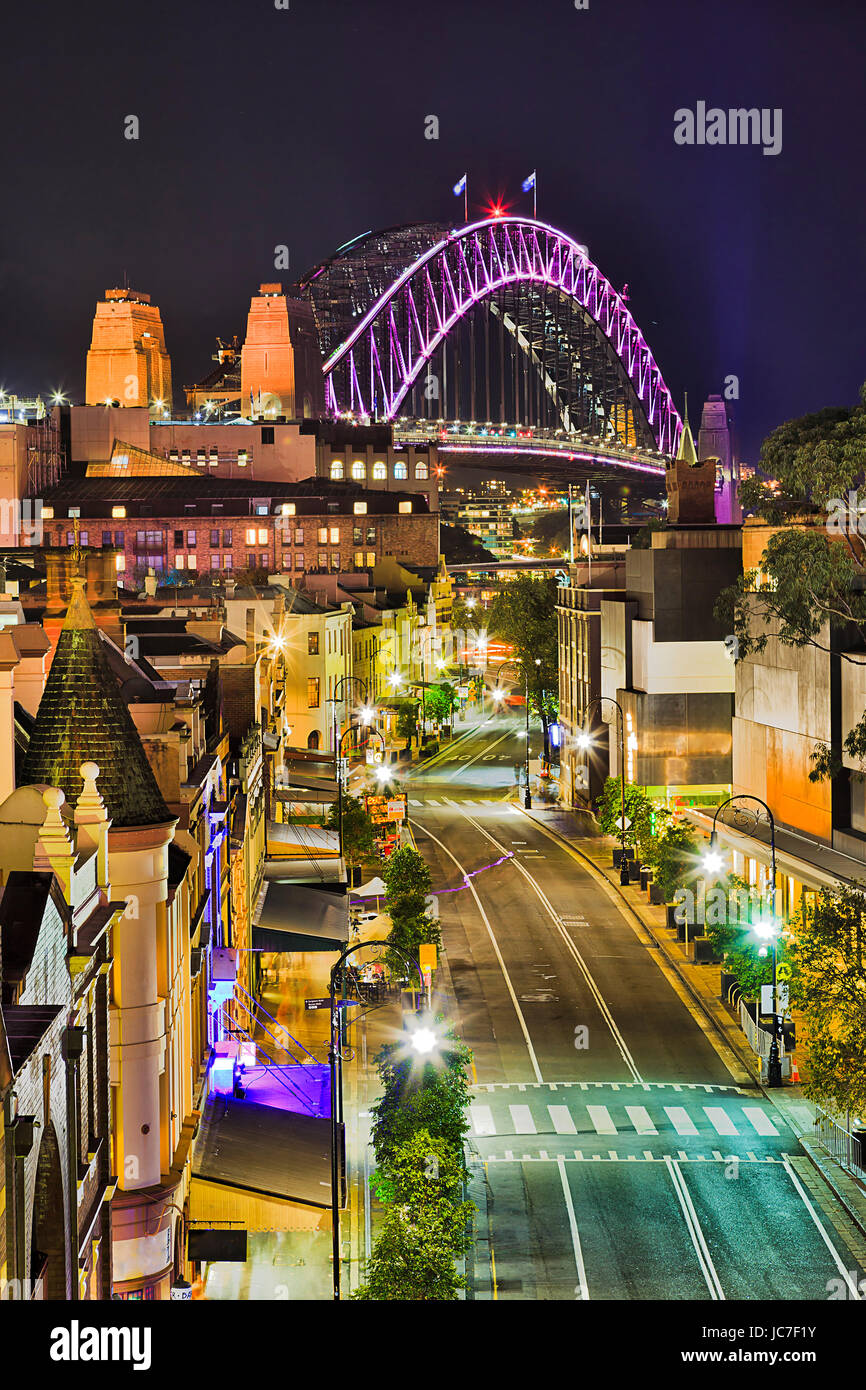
{"x": 615, "y": 1153}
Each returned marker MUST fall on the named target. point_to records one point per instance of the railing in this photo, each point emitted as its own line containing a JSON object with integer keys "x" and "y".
{"x": 839, "y": 1143}
{"x": 759, "y": 1038}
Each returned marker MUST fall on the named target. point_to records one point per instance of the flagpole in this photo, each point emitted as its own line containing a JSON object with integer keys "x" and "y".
{"x": 466, "y": 200}
{"x": 570, "y": 528}
{"x": 535, "y": 195}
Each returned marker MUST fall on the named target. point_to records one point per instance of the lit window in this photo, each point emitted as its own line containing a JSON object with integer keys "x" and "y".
{"x": 359, "y": 472}
{"x": 263, "y": 535}
{"x": 192, "y": 561}
{"x": 201, "y": 458}
{"x": 335, "y": 560}
{"x": 323, "y": 535}
{"x": 215, "y": 562}
{"x": 312, "y": 644}
{"x": 299, "y": 560}
{"x": 359, "y": 559}
{"x": 360, "y": 509}
{"x": 227, "y": 562}
{"x": 214, "y": 458}
{"x": 380, "y": 471}
{"x": 179, "y": 562}
{"x": 185, "y": 458}
{"x": 371, "y": 559}
{"x": 117, "y": 512}
{"x": 335, "y": 535}
{"x": 323, "y": 559}
{"x": 421, "y": 469}
{"x": 190, "y": 540}
{"x": 119, "y": 562}
{"x": 313, "y": 692}
{"x": 47, "y": 513}
{"x": 400, "y": 469}
{"x": 251, "y": 535}
{"x": 404, "y": 507}
{"x": 336, "y": 468}
{"x": 288, "y": 509}
{"x": 299, "y": 536}
{"x": 242, "y": 458}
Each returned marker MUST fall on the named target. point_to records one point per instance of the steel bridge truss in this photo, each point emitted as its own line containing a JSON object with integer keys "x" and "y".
{"x": 529, "y": 284}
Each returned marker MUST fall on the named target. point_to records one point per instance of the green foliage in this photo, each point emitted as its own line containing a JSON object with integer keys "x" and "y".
{"x": 423, "y": 1169}
{"x": 359, "y": 839}
{"x": 732, "y": 933}
{"x": 413, "y": 1257}
{"x": 439, "y": 701}
{"x": 829, "y": 987}
{"x": 643, "y": 538}
{"x": 645, "y": 817}
{"x": 673, "y": 856}
{"x": 407, "y": 717}
{"x": 421, "y": 1095}
{"x": 524, "y": 615}
{"x": 407, "y": 888}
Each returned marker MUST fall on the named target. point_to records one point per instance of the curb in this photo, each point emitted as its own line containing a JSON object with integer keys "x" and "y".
{"x": 818, "y": 1160}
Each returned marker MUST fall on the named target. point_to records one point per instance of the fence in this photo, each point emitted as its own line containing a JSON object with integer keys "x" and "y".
{"x": 839, "y": 1143}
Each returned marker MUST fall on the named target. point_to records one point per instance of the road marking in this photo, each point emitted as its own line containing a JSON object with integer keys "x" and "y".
{"x": 521, "y": 1118}
{"x": 482, "y": 1119}
{"x": 494, "y": 943}
{"x": 846, "y": 1274}
{"x": 600, "y": 1116}
{"x": 560, "y": 1118}
{"x": 680, "y": 1119}
{"x": 416, "y": 803}
{"x": 575, "y": 1236}
{"x": 647, "y": 1153}
{"x": 705, "y": 1260}
{"x": 639, "y": 1117}
{"x": 759, "y": 1120}
{"x": 469, "y": 761}
{"x": 575, "y": 953}
{"x": 720, "y": 1120}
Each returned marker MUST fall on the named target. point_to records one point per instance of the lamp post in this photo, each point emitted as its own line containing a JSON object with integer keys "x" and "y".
{"x": 335, "y": 1055}
{"x": 713, "y": 862}
{"x": 512, "y": 661}
{"x": 345, "y": 734}
{"x": 584, "y": 741}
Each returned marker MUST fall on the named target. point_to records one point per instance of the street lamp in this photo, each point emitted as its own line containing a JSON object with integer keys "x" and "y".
{"x": 344, "y": 735}
{"x": 713, "y": 863}
{"x": 585, "y": 741}
{"x": 335, "y": 1058}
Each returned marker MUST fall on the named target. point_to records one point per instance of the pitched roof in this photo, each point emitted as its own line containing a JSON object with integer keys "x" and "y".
{"x": 82, "y": 717}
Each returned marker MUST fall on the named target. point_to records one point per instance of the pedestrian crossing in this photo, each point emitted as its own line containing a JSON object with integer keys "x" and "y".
{"x": 464, "y": 801}
{"x": 731, "y": 1122}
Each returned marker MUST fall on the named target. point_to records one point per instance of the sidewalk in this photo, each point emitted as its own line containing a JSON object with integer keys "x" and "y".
{"x": 699, "y": 987}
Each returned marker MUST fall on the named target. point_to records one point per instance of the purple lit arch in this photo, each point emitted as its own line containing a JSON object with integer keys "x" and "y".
{"x": 371, "y": 373}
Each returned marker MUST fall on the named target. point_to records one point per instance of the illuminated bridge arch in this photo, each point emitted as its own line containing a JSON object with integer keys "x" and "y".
{"x": 578, "y": 355}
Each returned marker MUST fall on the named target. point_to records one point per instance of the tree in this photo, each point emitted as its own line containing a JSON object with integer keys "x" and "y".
{"x": 524, "y": 615}
{"x": 413, "y": 1257}
{"x": 809, "y": 589}
{"x": 407, "y": 717}
{"x": 421, "y": 1095}
{"x": 829, "y": 986}
{"x": 643, "y": 815}
{"x": 407, "y": 889}
{"x": 730, "y": 927}
{"x": 673, "y": 857}
{"x": 440, "y": 701}
{"x": 359, "y": 837}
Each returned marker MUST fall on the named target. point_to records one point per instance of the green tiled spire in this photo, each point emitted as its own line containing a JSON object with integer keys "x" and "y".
{"x": 82, "y": 717}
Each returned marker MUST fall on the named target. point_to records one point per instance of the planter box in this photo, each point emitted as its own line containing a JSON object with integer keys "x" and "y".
{"x": 702, "y": 951}
{"x": 689, "y": 931}
{"x": 671, "y": 922}
{"x": 654, "y": 894}
{"x": 618, "y": 856}
{"x": 634, "y": 871}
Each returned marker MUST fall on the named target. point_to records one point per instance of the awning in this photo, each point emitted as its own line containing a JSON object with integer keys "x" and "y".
{"x": 296, "y": 917}
{"x": 262, "y": 1152}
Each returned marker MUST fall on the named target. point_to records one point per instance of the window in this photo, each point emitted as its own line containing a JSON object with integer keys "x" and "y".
{"x": 190, "y": 540}
{"x": 243, "y": 458}
{"x": 251, "y": 535}
{"x": 360, "y": 509}
{"x": 323, "y": 559}
{"x": 227, "y": 538}
{"x": 288, "y": 509}
{"x": 215, "y": 539}
{"x": 371, "y": 534}
{"x": 119, "y": 563}
{"x": 405, "y": 508}
{"x": 265, "y": 561}
{"x": 286, "y": 540}
{"x": 323, "y": 535}
{"x": 380, "y": 471}
{"x": 312, "y": 644}
{"x": 118, "y": 513}
{"x": 214, "y": 458}
{"x": 335, "y": 535}
{"x": 313, "y": 692}
{"x": 263, "y": 535}
{"x": 173, "y": 455}
{"x": 179, "y": 561}
{"x": 357, "y": 536}
{"x": 299, "y": 560}
{"x": 106, "y": 538}
{"x": 400, "y": 469}
{"x": 227, "y": 562}
{"x": 267, "y": 434}
{"x": 200, "y": 458}
{"x": 421, "y": 469}
{"x": 215, "y": 562}
{"x": 251, "y": 561}
{"x": 359, "y": 472}
{"x": 336, "y": 468}
{"x": 333, "y": 506}
{"x": 335, "y": 559}
{"x": 371, "y": 559}
{"x": 178, "y": 538}
{"x": 359, "y": 559}
{"x": 192, "y": 560}
{"x": 299, "y": 536}
{"x": 185, "y": 457}
{"x": 82, "y": 537}
{"x": 313, "y": 739}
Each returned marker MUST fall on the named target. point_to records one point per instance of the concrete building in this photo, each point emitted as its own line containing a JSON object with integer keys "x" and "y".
{"x": 128, "y": 362}
{"x": 715, "y": 440}
{"x": 281, "y": 370}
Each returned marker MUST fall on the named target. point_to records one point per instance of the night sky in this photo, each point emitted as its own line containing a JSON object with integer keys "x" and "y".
{"x": 261, "y": 126}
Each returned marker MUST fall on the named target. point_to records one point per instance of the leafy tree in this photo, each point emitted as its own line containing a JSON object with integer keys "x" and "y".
{"x": 421, "y": 1095}
{"x": 407, "y": 888}
{"x": 644, "y": 816}
{"x": 524, "y": 615}
{"x": 829, "y": 986}
{"x": 407, "y": 717}
{"x": 440, "y": 701}
{"x": 413, "y": 1257}
{"x": 673, "y": 856}
{"x": 423, "y": 1169}
{"x": 359, "y": 837}
{"x": 811, "y": 586}
{"x": 732, "y": 934}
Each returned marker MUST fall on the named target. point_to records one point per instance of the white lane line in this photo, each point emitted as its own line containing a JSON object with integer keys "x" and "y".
{"x": 583, "y": 1287}
{"x": 639, "y": 1117}
{"x": 560, "y": 1118}
{"x": 469, "y": 761}
{"x": 573, "y": 951}
{"x": 720, "y": 1120}
{"x": 705, "y": 1259}
{"x": 759, "y": 1120}
{"x": 482, "y": 1119}
{"x": 600, "y": 1116}
{"x": 846, "y": 1274}
{"x": 521, "y": 1118}
{"x": 416, "y": 803}
{"x": 680, "y": 1119}
{"x": 494, "y": 943}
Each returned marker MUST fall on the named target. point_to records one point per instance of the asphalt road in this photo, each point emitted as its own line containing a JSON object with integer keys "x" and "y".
{"x": 614, "y": 1155}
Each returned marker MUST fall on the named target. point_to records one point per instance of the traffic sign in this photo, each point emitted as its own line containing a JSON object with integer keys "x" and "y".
{"x": 317, "y": 1003}
{"x": 783, "y": 970}
{"x": 622, "y": 824}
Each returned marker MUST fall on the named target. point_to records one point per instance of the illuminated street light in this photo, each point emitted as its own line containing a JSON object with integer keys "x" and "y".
{"x": 713, "y": 861}
{"x": 383, "y": 774}
{"x": 424, "y": 1041}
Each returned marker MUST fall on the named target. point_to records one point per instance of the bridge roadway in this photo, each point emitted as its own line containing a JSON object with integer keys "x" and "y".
{"x": 614, "y": 1155}
{"x": 518, "y": 441}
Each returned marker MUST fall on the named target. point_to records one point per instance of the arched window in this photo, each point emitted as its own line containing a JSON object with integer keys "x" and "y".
{"x": 380, "y": 471}
{"x": 313, "y": 740}
{"x": 336, "y": 468}
{"x": 359, "y": 472}
{"x": 400, "y": 469}
{"x": 421, "y": 469}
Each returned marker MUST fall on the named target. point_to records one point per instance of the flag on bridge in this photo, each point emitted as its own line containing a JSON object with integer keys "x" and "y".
{"x": 461, "y": 186}
{"x": 528, "y": 183}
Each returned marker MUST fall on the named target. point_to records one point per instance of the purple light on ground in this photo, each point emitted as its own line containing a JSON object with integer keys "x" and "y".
{"x": 303, "y": 1090}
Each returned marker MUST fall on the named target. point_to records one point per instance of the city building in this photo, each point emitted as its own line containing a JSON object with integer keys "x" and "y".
{"x": 127, "y": 361}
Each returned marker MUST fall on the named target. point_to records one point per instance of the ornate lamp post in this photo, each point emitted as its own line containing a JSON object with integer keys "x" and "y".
{"x": 584, "y": 740}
